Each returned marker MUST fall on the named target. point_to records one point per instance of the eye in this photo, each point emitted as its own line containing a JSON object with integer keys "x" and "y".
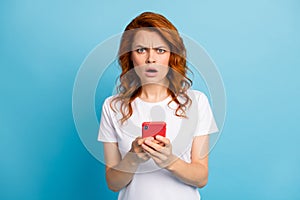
{"x": 160, "y": 51}
{"x": 141, "y": 50}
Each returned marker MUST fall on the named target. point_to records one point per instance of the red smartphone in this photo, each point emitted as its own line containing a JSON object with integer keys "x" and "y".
{"x": 151, "y": 129}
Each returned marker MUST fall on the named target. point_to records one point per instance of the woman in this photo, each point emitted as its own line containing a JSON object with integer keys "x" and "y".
{"x": 154, "y": 87}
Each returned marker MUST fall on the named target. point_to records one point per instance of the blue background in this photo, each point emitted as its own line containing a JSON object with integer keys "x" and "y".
{"x": 255, "y": 45}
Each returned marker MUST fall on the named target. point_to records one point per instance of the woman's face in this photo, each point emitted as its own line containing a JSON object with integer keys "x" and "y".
{"x": 150, "y": 56}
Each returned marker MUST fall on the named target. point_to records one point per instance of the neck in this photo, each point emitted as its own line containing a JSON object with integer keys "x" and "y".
{"x": 154, "y": 92}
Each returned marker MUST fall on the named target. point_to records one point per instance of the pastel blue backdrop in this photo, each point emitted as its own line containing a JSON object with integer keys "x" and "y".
{"x": 255, "y": 45}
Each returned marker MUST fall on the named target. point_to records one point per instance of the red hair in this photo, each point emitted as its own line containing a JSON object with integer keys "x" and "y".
{"x": 130, "y": 86}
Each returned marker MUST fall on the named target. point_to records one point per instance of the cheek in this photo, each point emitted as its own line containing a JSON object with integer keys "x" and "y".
{"x": 137, "y": 60}
{"x": 138, "y": 71}
{"x": 165, "y": 59}
{"x": 165, "y": 62}
{"x": 164, "y": 71}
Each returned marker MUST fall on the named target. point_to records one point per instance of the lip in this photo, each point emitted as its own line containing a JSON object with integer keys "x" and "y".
{"x": 151, "y": 72}
{"x": 151, "y": 68}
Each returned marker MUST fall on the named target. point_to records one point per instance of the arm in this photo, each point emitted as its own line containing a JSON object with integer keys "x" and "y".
{"x": 194, "y": 173}
{"x": 119, "y": 172}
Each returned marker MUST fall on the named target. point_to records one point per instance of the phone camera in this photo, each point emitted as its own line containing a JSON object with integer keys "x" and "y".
{"x": 146, "y": 127}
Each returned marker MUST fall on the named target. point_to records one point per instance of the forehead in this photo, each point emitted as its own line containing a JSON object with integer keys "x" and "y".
{"x": 148, "y": 39}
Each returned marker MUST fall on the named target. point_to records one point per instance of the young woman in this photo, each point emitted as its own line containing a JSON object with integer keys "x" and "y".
{"x": 154, "y": 87}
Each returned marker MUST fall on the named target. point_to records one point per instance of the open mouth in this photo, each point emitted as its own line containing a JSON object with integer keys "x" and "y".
{"x": 151, "y": 70}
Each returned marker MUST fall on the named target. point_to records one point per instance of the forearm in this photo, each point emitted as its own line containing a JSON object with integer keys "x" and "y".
{"x": 190, "y": 173}
{"x": 121, "y": 175}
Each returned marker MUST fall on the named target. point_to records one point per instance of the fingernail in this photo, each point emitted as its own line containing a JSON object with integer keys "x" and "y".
{"x": 159, "y": 137}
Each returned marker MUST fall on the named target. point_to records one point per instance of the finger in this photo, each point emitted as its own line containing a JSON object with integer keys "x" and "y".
{"x": 165, "y": 140}
{"x": 158, "y": 142}
{"x": 154, "y": 154}
{"x": 150, "y": 151}
{"x": 154, "y": 145}
{"x": 138, "y": 140}
{"x": 141, "y": 140}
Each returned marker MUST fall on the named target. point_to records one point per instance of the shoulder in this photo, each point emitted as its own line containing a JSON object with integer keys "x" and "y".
{"x": 108, "y": 100}
{"x": 112, "y": 103}
{"x": 196, "y": 95}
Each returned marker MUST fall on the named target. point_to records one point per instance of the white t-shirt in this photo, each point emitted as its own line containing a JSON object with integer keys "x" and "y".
{"x": 151, "y": 182}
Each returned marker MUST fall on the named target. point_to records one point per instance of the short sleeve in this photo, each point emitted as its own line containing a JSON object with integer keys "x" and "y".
{"x": 206, "y": 122}
{"x": 107, "y": 132}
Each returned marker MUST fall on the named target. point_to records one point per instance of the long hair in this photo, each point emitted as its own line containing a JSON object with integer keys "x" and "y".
{"x": 130, "y": 86}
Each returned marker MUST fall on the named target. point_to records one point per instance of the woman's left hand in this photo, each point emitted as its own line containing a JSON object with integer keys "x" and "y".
{"x": 160, "y": 150}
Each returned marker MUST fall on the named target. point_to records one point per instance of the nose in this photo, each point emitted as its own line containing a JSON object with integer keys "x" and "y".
{"x": 150, "y": 58}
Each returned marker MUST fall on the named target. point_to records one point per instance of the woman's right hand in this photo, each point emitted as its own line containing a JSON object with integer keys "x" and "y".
{"x": 137, "y": 151}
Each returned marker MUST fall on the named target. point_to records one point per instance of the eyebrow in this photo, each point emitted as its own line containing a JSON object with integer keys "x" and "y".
{"x": 145, "y": 46}
{"x": 161, "y": 47}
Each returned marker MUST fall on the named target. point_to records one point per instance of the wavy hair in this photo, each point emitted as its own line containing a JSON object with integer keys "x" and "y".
{"x": 130, "y": 86}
